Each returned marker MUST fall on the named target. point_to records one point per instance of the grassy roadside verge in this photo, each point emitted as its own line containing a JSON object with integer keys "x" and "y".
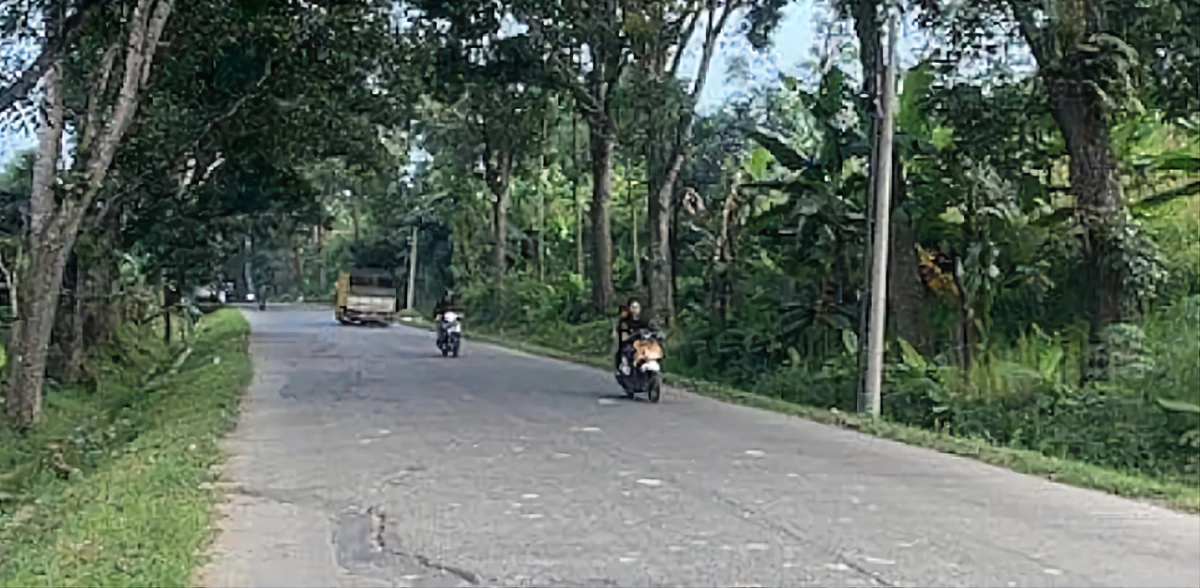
{"x": 135, "y": 508}
{"x": 1173, "y": 494}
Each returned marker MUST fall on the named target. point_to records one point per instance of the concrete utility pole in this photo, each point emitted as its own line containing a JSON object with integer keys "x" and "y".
{"x": 869, "y": 401}
{"x": 541, "y": 172}
{"x": 412, "y": 272}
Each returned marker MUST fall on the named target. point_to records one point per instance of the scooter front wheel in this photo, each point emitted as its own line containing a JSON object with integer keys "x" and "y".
{"x": 654, "y": 394}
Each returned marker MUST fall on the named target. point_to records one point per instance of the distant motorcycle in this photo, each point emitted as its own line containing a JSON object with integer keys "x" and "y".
{"x": 450, "y": 333}
{"x": 643, "y": 375}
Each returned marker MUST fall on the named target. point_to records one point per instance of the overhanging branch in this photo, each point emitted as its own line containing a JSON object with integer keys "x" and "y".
{"x": 72, "y": 29}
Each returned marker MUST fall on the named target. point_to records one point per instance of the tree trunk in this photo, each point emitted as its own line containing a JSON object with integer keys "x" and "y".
{"x": 602, "y": 138}
{"x": 1098, "y": 197}
{"x": 54, "y": 222}
{"x": 500, "y": 234}
{"x": 71, "y": 341}
{"x": 98, "y": 319}
{"x": 298, "y": 266}
{"x": 660, "y": 282}
{"x": 671, "y": 157}
{"x": 907, "y": 302}
{"x": 171, "y": 302}
{"x": 248, "y": 265}
{"x": 35, "y": 318}
{"x": 724, "y": 254}
{"x": 24, "y": 399}
{"x": 499, "y": 165}
{"x": 322, "y": 279}
{"x": 1078, "y": 112}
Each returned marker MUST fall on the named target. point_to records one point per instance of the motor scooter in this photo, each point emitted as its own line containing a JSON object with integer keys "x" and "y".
{"x": 642, "y": 373}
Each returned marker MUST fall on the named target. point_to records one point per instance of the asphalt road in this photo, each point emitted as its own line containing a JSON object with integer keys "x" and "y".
{"x": 366, "y": 459}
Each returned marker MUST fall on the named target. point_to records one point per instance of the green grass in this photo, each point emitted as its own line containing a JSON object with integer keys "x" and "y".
{"x": 1173, "y": 494}
{"x": 136, "y": 508}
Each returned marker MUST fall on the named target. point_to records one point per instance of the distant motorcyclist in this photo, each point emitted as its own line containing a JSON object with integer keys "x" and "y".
{"x": 629, "y": 325}
{"x": 448, "y": 303}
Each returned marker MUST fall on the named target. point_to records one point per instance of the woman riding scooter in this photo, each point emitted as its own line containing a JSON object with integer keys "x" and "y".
{"x": 629, "y": 325}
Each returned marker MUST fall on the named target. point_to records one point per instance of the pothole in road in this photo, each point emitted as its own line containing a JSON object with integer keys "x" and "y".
{"x": 401, "y": 477}
{"x": 361, "y": 548}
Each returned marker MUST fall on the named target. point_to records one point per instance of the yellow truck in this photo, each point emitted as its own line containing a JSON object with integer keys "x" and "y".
{"x": 365, "y": 296}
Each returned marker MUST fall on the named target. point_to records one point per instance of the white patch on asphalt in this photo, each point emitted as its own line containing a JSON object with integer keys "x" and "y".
{"x": 837, "y": 567}
{"x": 516, "y": 505}
{"x": 529, "y": 496}
{"x": 383, "y": 432}
{"x": 674, "y": 548}
{"x": 1052, "y": 572}
{"x": 533, "y": 516}
{"x": 755, "y": 452}
{"x": 411, "y": 577}
{"x": 726, "y": 548}
{"x": 699, "y": 542}
{"x": 560, "y": 455}
{"x": 585, "y": 429}
{"x": 855, "y": 500}
{"x": 878, "y": 561}
{"x": 845, "y": 520}
{"x": 364, "y": 441}
{"x": 790, "y": 565}
{"x": 757, "y": 546}
{"x": 606, "y": 401}
{"x": 627, "y": 559}
{"x": 793, "y": 475}
{"x": 651, "y": 482}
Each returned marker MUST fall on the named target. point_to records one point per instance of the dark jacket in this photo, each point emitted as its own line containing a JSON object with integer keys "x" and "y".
{"x": 629, "y": 326}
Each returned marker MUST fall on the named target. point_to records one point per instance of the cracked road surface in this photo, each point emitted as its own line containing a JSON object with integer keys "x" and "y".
{"x": 363, "y": 458}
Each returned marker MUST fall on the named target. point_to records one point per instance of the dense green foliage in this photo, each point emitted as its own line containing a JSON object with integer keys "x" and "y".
{"x": 124, "y": 494}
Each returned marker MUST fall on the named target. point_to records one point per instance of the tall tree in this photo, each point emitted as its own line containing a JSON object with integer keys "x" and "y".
{"x": 586, "y": 50}
{"x": 57, "y": 211}
{"x": 1095, "y": 70}
{"x": 490, "y": 103}
{"x": 660, "y": 32}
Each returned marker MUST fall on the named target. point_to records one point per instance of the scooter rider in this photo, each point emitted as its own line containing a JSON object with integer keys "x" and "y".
{"x": 448, "y": 303}
{"x": 628, "y": 326}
